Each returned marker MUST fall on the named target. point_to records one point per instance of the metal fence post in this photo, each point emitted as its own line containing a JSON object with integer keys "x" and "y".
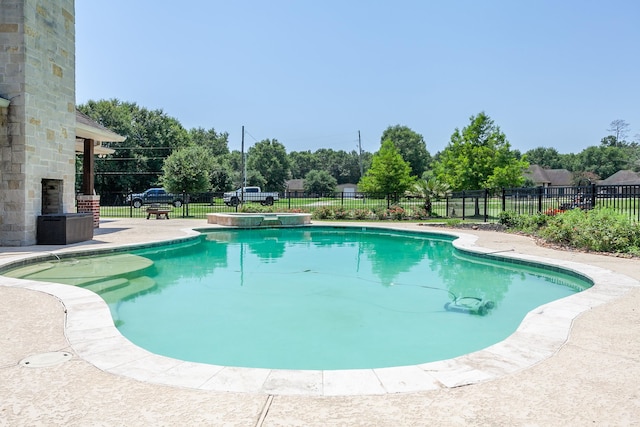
{"x": 185, "y": 204}
{"x": 540, "y": 199}
{"x": 463, "y": 204}
{"x": 486, "y": 204}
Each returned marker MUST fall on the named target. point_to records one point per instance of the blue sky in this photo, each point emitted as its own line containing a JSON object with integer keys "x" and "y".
{"x": 311, "y": 74}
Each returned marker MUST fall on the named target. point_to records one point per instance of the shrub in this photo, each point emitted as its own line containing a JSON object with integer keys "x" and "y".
{"x": 600, "y": 229}
{"x": 255, "y": 208}
{"x": 322, "y": 212}
{"x": 361, "y": 214}
{"x": 381, "y": 213}
{"x": 297, "y": 210}
{"x": 533, "y": 223}
{"x": 397, "y": 212}
{"x": 421, "y": 213}
{"x": 341, "y": 213}
{"x": 510, "y": 219}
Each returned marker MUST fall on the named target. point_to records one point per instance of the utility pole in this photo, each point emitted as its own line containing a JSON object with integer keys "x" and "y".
{"x": 243, "y": 184}
{"x": 360, "y": 156}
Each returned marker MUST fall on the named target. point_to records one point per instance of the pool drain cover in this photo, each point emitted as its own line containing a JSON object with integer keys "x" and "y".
{"x": 46, "y": 359}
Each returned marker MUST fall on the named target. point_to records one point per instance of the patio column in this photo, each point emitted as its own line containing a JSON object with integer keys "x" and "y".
{"x": 87, "y": 201}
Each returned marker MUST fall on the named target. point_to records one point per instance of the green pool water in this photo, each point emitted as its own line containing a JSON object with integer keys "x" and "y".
{"x": 322, "y": 298}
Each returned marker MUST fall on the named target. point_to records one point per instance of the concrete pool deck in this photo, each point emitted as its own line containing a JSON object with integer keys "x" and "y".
{"x": 590, "y": 378}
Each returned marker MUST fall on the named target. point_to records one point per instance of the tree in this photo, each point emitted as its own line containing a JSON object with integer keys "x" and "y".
{"x": 343, "y": 166}
{"x": 269, "y": 159}
{"x": 187, "y": 169}
{"x": 389, "y": 173}
{"x": 319, "y": 182}
{"x": 479, "y": 157}
{"x": 429, "y": 189}
{"x": 302, "y": 162}
{"x": 619, "y": 130}
{"x": 548, "y": 158}
{"x": 151, "y": 137}
{"x": 601, "y": 160}
{"x": 222, "y": 175}
{"x": 411, "y": 146}
{"x": 217, "y": 143}
{"x": 609, "y": 141}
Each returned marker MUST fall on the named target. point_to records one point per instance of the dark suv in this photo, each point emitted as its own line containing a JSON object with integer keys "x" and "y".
{"x": 154, "y": 195}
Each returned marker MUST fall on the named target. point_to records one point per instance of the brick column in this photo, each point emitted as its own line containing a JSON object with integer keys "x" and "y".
{"x": 90, "y": 204}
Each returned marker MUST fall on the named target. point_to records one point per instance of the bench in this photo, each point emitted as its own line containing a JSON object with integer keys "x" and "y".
{"x": 158, "y": 212}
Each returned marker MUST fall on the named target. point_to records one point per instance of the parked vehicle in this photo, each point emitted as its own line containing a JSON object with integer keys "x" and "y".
{"x": 250, "y": 194}
{"x": 154, "y": 195}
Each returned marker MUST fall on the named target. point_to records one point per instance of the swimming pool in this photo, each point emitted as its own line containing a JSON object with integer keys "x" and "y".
{"x": 325, "y": 298}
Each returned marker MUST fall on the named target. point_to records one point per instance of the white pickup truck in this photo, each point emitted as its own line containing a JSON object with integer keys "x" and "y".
{"x": 250, "y": 194}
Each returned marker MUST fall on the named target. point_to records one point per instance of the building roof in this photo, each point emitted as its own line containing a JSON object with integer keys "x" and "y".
{"x": 551, "y": 177}
{"x": 559, "y": 177}
{"x": 622, "y": 177}
{"x": 537, "y": 174}
{"x": 87, "y": 128}
{"x": 294, "y": 184}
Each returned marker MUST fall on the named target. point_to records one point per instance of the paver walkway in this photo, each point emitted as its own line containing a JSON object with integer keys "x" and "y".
{"x": 594, "y": 379}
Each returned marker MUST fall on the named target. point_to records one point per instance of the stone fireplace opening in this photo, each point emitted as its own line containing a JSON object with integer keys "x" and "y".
{"x": 51, "y": 196}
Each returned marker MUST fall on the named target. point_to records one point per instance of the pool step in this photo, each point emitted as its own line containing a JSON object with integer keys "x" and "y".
{"x": 270, "y": 220}
{"x": 106, "y": 285}
{"x": 134, "y": 287}
{"x": 26, "y": 271}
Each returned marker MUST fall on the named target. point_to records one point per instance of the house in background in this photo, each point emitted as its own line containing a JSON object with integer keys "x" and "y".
{"x": 348, "y": 190}
{"x": 623, "y": 177}
{"x": 549, "y": 177}
{"x": 624, "y": 182}
{"x": 294, "y": 188}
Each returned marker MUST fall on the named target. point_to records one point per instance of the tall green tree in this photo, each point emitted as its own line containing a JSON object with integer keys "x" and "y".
{"x": 269, "y": 158}
{"x": 479, "y": 157}
{"x": 302, "y": 162}
{"x": 411, "y": 146}
{"x": 222, "y": 174}
{"x": 151, "y": 137}
{"x": 188, "y": 169}
{"x": 320, "y": 182}
{"x": 217, "y": 143}
{"x": 602, "y": 160}
{"x": 546, "y": 157}
{"x": 389, "y": 173}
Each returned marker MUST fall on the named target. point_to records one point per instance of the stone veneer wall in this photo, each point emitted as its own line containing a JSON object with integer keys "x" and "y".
{"x": 37, "y": 74}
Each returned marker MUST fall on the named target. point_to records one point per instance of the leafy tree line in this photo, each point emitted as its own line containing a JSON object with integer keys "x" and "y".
{"x": 159, "y": 151}
{"x": 615, "y": 152}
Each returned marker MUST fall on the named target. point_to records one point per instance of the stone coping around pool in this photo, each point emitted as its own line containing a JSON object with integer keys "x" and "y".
{"x": 92, "y": 335}
{"x": 247, "y": 220}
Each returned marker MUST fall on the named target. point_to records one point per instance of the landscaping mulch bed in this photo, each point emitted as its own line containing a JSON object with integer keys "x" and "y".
{"x": 539, "y": 241}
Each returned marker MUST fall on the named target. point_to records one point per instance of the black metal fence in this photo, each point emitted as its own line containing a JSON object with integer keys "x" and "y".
{"x": 479, "y": 205}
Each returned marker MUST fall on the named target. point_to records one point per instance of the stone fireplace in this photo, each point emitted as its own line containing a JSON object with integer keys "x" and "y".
{"x": 52, "y": 196}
